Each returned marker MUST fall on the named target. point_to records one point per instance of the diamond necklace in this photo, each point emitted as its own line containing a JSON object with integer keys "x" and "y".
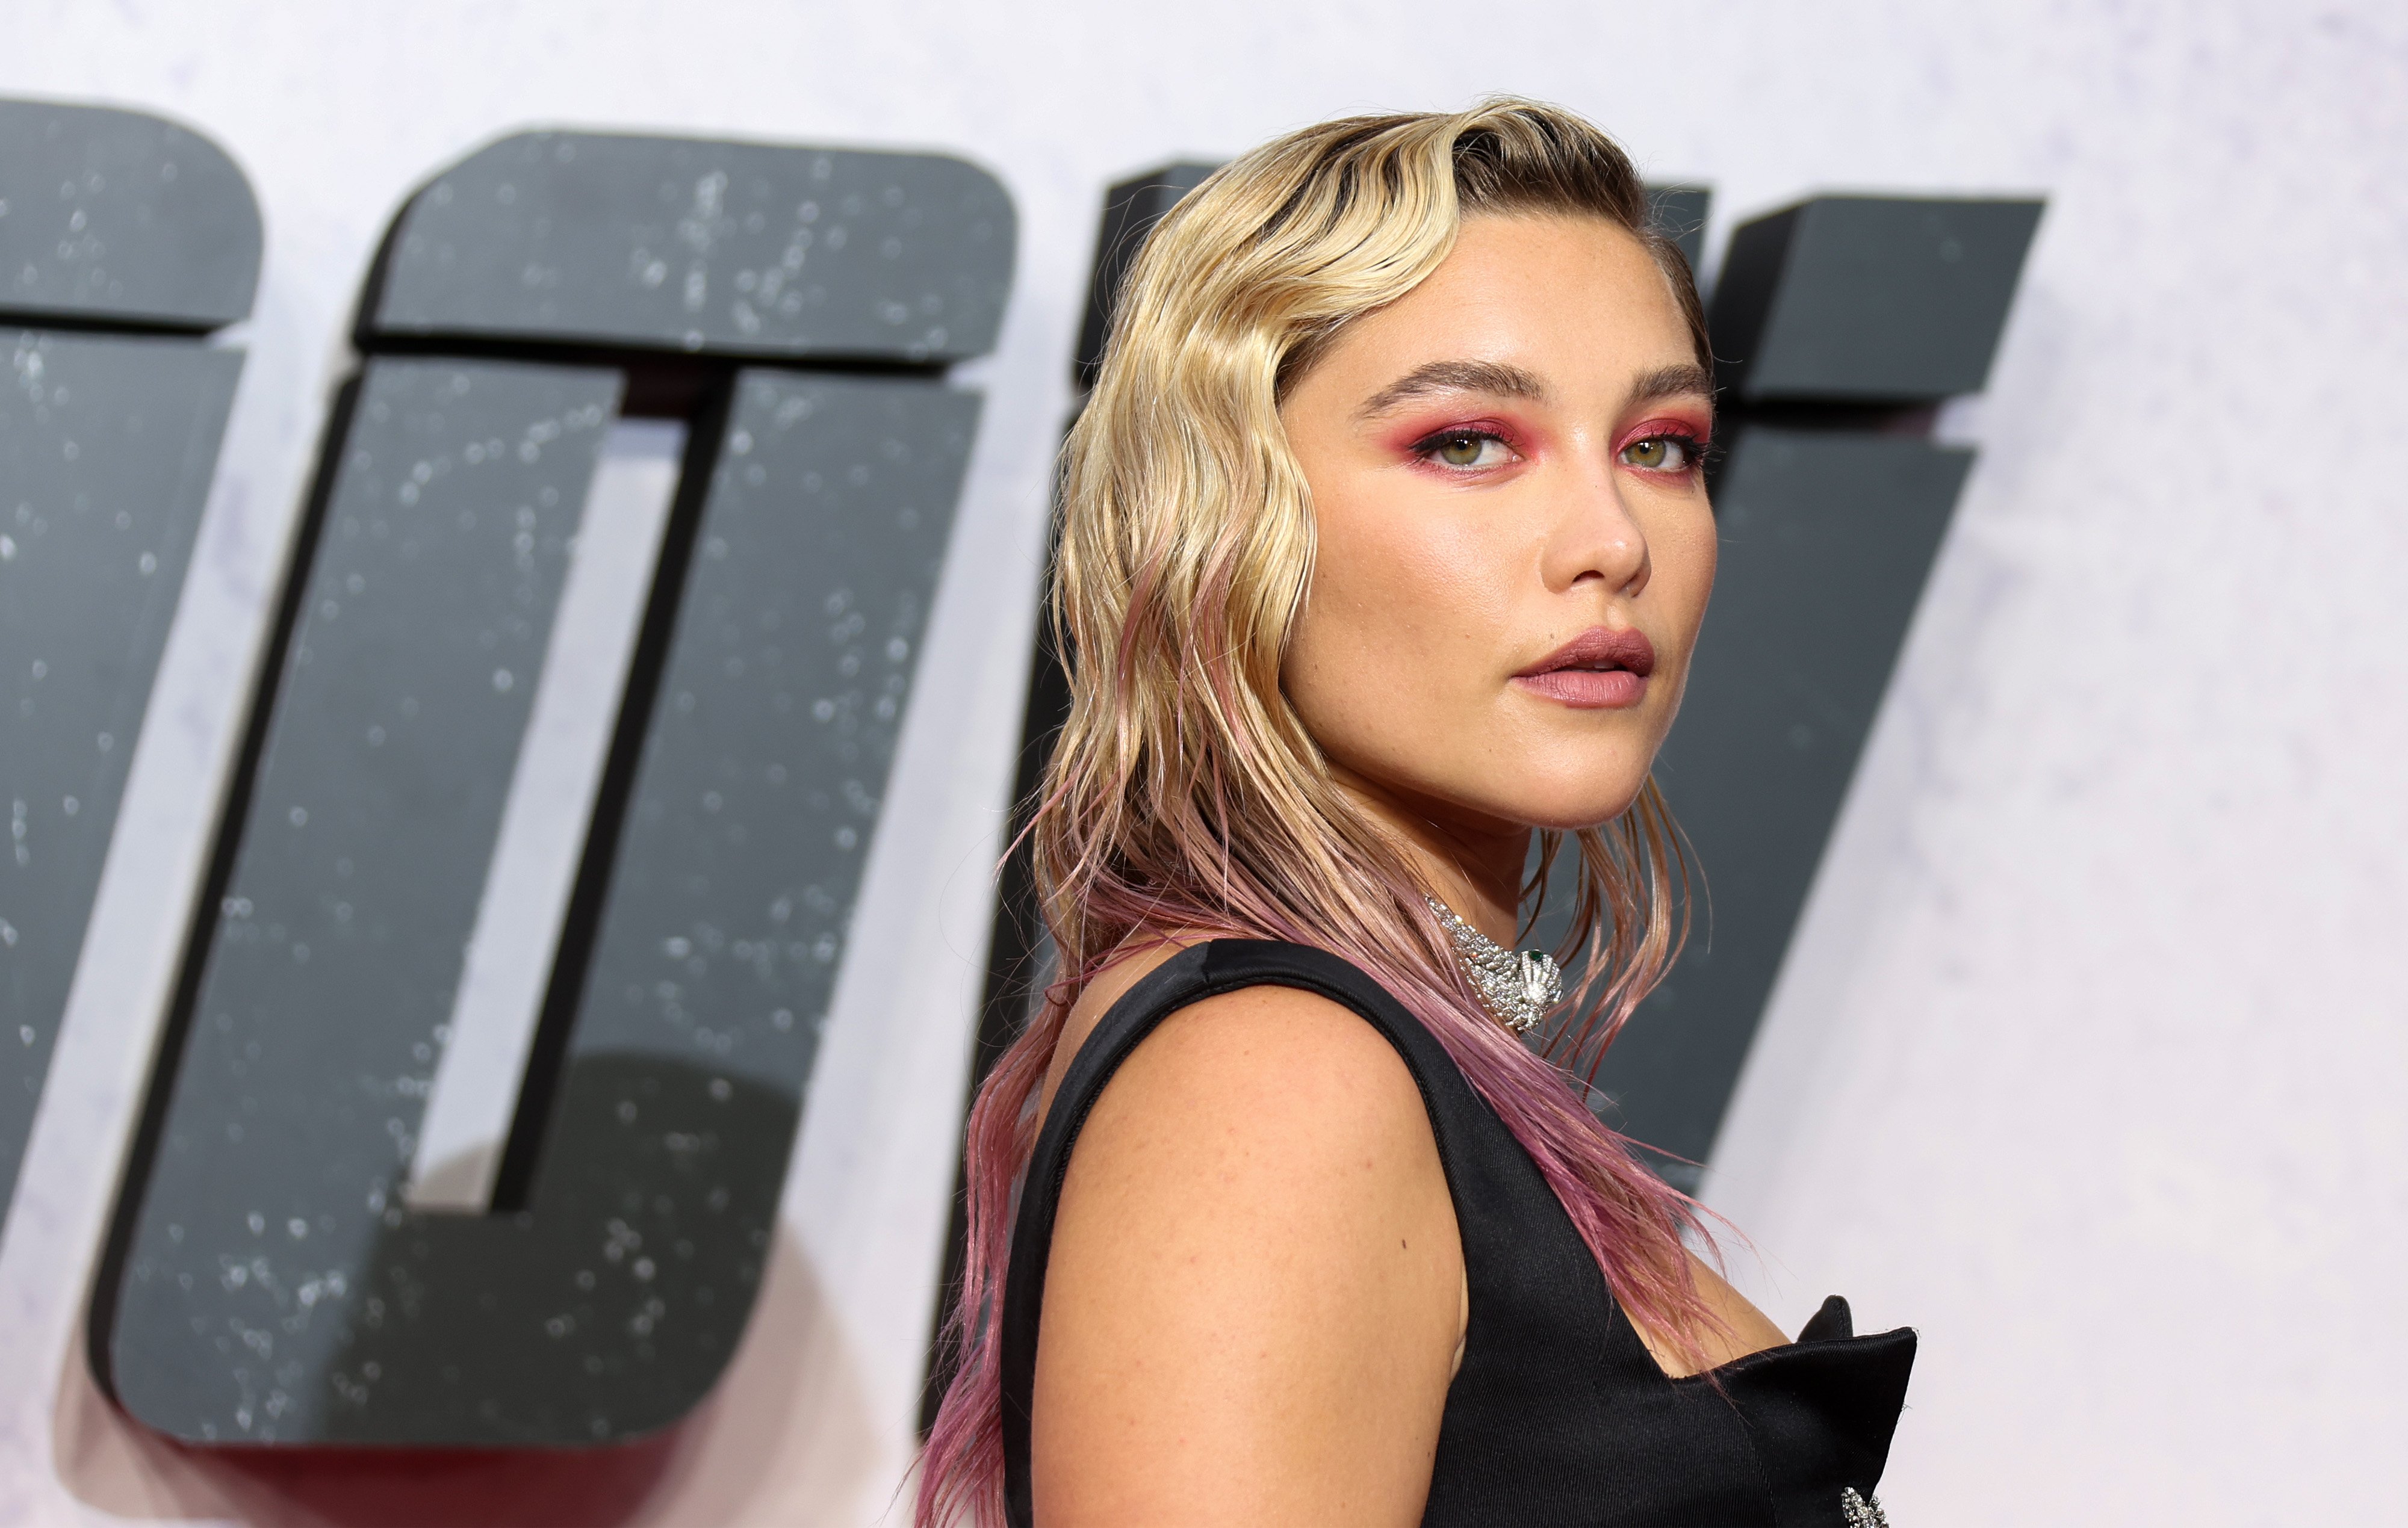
{"x": 1518, "y": 986}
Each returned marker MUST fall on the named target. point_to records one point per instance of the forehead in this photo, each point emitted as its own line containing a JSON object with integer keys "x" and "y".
{"x": 1575, "y": 299}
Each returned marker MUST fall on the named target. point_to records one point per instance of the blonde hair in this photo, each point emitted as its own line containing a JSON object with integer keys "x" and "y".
{"x": 1184, "y": 792}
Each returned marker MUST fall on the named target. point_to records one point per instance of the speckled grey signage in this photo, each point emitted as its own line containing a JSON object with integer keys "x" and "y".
{"x": 331, "y": 958}
{"x": 121, "y": 218}
{"x": 106, "y": 447}
{"x": 265, "y": 1281}
{"x": 1832, "y": 506}
{"x": 1827, "y": 538}
{"x": 1869, "y": 299}
{"x": 108, "y": 219}
{"x": 273, "y": 1286}
{"x": 734, "y": 248}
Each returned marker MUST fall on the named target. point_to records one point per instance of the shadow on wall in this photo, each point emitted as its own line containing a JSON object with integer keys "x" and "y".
{"x": 786, "y": 1434}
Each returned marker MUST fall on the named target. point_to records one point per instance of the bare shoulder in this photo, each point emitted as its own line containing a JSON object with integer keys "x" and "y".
{"x": 1258, "y": 1107}
{"x": 1254, "y": 1259}
{"x": 1279, "y": 1027}
{"x": 1268, "y": 1059}
{"x": 1108, "y": 988}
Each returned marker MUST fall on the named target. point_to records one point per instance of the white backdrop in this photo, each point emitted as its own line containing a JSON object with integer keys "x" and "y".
{"x": 2090, "y": 1058}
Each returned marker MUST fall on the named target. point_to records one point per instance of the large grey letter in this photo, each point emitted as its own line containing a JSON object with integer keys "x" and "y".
{"x": 124, "y": 241}
{"x": 266, "y": 1280}
{"x": 1837, "y": 325}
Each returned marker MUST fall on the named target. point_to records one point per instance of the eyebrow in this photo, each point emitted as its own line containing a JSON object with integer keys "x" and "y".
{"x": 1673, "y": 381}
{"x": 1490, "y": 377}
{"x": 1508, "y": 381}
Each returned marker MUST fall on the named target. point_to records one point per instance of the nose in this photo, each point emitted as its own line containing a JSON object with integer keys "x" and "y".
{"x": 1595, "y": 537}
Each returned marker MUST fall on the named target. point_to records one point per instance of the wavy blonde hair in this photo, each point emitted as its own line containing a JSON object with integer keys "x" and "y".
{"x": 1185, "y": 793}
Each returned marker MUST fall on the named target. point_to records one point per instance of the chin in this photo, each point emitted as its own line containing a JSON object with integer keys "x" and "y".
{"x": 1574, "y": 821}
{"x": 1569, "y": 806}
{"x": 1573, "y": 789}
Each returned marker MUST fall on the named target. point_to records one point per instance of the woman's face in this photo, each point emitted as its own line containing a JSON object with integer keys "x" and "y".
{"x": 1514, "y": 543}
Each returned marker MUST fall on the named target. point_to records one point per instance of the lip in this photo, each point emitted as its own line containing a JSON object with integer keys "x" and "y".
{"x": 1600, "y": 669}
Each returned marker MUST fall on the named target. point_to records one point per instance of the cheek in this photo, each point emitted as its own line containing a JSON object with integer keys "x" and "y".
{"x": 1683, "y": 553}
{"x": 1395, "y": 586}
{"x": 1399, "y": 598}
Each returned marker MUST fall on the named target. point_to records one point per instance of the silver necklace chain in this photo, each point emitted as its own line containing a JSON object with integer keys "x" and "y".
{"x": 1518, "y": 986}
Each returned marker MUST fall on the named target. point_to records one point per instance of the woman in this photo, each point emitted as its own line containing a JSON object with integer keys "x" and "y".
{"x": 1385, "y": 546}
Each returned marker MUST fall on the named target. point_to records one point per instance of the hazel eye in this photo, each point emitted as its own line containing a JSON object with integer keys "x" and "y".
{"x": 1467, "y": 448}
{"x": 1661, "y": 453}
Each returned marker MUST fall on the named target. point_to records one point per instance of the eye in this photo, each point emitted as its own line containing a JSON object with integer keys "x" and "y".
{"x": 1466, "y": 450}
{"x": 1661, "y": 453}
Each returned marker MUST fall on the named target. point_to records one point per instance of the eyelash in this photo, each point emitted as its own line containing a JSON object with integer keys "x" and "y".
{"x": 1693, "y": 452}
{"x": 1693, "y": 449}
{"x": 1429, "y": 445}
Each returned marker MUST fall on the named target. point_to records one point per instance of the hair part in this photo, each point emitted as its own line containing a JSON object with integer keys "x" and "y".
{"x": 1184, "y": 794}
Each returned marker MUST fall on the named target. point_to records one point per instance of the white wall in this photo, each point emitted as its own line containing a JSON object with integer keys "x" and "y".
{"x": 2089, "y": 1060}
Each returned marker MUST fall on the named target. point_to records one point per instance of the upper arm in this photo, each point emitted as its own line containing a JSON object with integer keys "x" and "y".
{"x": 1254, "y": 1292}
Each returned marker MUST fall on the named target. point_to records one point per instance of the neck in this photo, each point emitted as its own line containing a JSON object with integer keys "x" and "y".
{"x": 1471, "y": 862}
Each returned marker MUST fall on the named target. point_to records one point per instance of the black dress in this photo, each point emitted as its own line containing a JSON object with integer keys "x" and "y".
{"x": 1558, "y": 1414}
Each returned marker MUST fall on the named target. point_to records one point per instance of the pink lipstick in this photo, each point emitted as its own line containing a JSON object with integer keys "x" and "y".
{"x": 1599, "y": 670}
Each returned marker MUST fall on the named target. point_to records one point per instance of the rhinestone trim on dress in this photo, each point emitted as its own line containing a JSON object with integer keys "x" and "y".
{"x": 1518, "y": 986}
{"x": 1862, "y": 1511}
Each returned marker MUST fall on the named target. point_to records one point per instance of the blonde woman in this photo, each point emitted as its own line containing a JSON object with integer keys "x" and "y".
{"x": 1385, "y": 546}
